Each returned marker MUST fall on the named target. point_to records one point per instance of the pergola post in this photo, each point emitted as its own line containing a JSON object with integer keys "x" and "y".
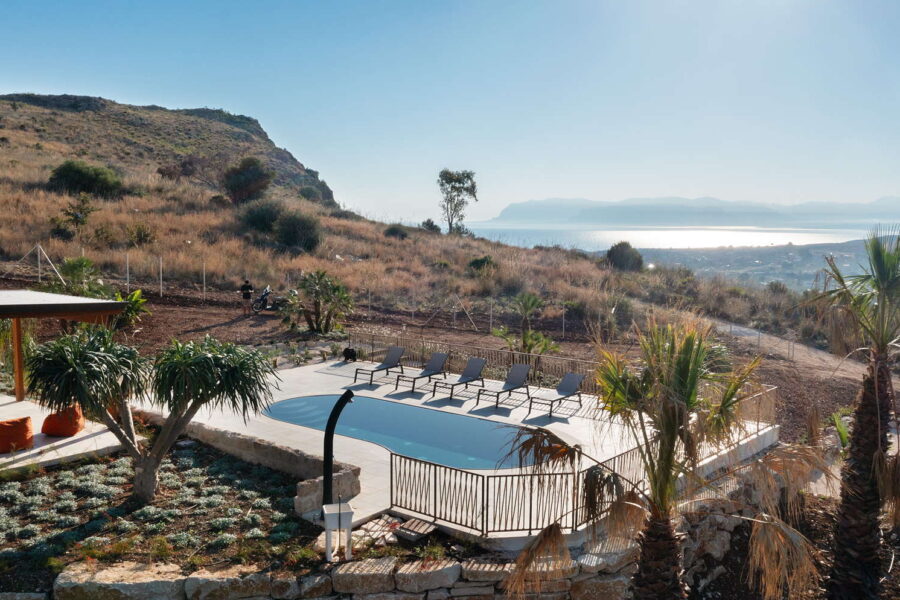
{"x": 18, "y": 367}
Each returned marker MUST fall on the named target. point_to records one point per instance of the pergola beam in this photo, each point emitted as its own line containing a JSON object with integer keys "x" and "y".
{"x": 18, "y": 366}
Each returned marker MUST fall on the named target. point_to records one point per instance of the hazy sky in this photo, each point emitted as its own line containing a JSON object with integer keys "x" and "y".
{"x": 777, "y": 101}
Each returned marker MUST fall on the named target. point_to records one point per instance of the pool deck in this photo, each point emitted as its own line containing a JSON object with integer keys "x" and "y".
{"x": 92, "y": 441}
{"x": 575, "y": 424}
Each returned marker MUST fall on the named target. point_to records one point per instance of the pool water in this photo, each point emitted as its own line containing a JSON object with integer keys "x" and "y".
{"x": 432, "y": 435}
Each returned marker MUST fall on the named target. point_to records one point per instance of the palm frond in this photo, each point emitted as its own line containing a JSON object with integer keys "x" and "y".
{"x": 544, "y": 559}
{"x": 781, "y": 559}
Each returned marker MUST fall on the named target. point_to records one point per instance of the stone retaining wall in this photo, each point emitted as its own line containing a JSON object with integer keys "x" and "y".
{"x": 306, "y": 467}
{"x": 368, "y": 579}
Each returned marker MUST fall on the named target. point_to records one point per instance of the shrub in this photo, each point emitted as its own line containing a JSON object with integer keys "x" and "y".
{"x": 184, "y": 540}
{"x": 294, "y": 230}
{"x": 74, "y": 176}
{"x": 480, "y": 265}
{"x": 260, "y": 215}
{"x": 625, "y": 258}
{"x": 311, "y": 193}
{"x": 139, "y": 234}
{"x": 430, "y": 226}
{"x": 247, "y": 180}
{"x": 343, "y": 213}
{"x": 396, "y": 231}
{"x": 225, "y": 539}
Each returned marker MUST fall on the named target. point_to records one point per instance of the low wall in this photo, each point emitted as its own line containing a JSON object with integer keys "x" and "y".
{"x": 306, "y": 467}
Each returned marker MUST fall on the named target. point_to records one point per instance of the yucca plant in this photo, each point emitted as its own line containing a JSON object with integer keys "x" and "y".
{"x": 868, "y": 305}
{"x": 322, "y": 302}
{"x": 673, "y": 407}
{"x": 91, "y": 369}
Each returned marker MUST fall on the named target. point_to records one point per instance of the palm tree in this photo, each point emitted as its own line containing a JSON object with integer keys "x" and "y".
{"x": 91, "y": 369}
{"x": 672, "y": 407}
{"x": 870, "y": 304}
{"x": 324, "y": 302}
{"x": 525, "y": 305}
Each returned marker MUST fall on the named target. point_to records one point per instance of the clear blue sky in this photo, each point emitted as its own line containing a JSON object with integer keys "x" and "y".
{"x": 778, "y": 101}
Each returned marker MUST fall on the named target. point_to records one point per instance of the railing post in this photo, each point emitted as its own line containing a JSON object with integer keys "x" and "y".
{"x": 392, "y": 480}
{"x": 434, "y": 491}
{"x": 484, "y": 505}
{"x": 530, "y": 504}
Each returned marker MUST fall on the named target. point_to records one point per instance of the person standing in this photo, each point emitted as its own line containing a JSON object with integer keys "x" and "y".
{"x": 246, "y": 296}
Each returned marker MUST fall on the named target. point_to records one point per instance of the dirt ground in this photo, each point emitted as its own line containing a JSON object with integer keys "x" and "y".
{"x": 803, "y": 377}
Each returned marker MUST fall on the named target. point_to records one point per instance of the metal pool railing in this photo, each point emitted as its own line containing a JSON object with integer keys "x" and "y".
{"x": 525, "y": 501}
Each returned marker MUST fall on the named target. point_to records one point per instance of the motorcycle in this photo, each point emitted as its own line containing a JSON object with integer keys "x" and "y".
{"x": 266, "y": 301}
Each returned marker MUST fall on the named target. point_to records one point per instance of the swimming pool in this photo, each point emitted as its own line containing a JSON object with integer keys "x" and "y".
{"x": 432, "y": 435}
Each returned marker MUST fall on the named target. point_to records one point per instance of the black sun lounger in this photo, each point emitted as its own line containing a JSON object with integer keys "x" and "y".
{"x": 391, "y": 361}
{"x": 436, "y": 366}
{"x": 470, "y": 374}
{"x": 516, "y": 379}
{"x": 568, "y": 387}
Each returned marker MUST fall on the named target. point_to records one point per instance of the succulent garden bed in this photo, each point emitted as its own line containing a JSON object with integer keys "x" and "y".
{"x": 212, "y": 509}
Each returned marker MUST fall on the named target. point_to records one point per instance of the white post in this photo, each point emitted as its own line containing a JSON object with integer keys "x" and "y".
{"x": 369, "y": 303}
{"x": 82, "y": 251}
{"x": 564, "y": 322}
{"x": 39, "y": 265}
{"x": 491, "y": 315}
{"x": 127, "y": 273}
{"x": 204, "y": 279}
{"x": 160, "y": 278}
{"x": 328, "y": 556}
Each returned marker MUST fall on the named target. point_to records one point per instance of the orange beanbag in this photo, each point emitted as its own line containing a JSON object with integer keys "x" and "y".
{"x": 64, "y": 423}
{"x": 16, "y": 434}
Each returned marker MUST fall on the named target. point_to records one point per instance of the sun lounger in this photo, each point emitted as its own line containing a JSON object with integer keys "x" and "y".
{"x": 568, "y": 387}
{"x": 391, "y": 361}
{"x": 437, "y": 365}
{"x": 516, "y": 379}
{"x": 470, "y": 375}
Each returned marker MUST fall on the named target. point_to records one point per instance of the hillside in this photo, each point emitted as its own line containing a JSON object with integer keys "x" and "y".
{"x": 135, "y": 137}
{"x": 187, "y": 231}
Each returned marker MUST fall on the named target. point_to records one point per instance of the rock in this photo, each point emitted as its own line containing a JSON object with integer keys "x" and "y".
{"x": 423, "y": 575}
{"x": 485, "y": 590}
{"x": 369, "y": 576}
{"x": 601, "y": 588}
{"x": 718, "y": 545}
{"x": 314, "y": 586}
{"x": 131, "y": 580}
{"x": 389, "y": 596}
{"x": 486, "y": 569}
{"x": 547, "y": 569}
{"x": 286, "y": 588}
{"x": 441, "y": 594}
{"x": 558, "y": 585}
{"x": 714, "y": 574}
{"x": 230, "y": 583}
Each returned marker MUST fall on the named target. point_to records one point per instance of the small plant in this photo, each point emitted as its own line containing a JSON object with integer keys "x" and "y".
{"x": 139, "y": 234}
{"x": 223, "y": 540}
{"x": 160, "y": 548}
{"x": 321, "y": 302}
{"x": 396, "y": 231}
{"x": 184, "y": 540}
{"x": 430, "y": 552}
{"x": 483, "y": 265}
{"x": 134, "y": 309}
{"x": 222, "y": 523}
{"x": 255, "y": 534}
{"x": 841, "y": 428}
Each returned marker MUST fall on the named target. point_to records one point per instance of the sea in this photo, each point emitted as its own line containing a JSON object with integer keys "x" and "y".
{"x": 661, "y": 237}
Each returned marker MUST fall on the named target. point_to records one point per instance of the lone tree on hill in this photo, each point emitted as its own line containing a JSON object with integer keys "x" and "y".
{"x": 457, "y": 189}
{"x": 248, "y": 180}
{"x": 625, "y": 258}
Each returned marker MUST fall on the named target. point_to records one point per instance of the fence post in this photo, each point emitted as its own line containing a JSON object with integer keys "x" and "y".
{"x": 491, "y": 316}
{"x": 160, "y": 278}
{"x": 39, "y": 266}
{"x": 127, "y": 273}
{"x": 564, "y": 323}
{"x": 204, "y": 279}
{"x": 368, "y": 303}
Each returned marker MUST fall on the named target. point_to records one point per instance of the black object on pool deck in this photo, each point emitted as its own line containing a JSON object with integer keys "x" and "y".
{"x": 328, "y": 469}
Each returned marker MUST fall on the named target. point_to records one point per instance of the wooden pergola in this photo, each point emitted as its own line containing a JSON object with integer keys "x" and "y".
{"x": 27, "y": 304}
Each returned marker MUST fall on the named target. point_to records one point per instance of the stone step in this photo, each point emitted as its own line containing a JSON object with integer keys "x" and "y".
{"x": 414, "y": 530}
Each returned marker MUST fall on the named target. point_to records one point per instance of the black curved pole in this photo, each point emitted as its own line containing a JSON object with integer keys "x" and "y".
{"x": 328, "y": 473}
